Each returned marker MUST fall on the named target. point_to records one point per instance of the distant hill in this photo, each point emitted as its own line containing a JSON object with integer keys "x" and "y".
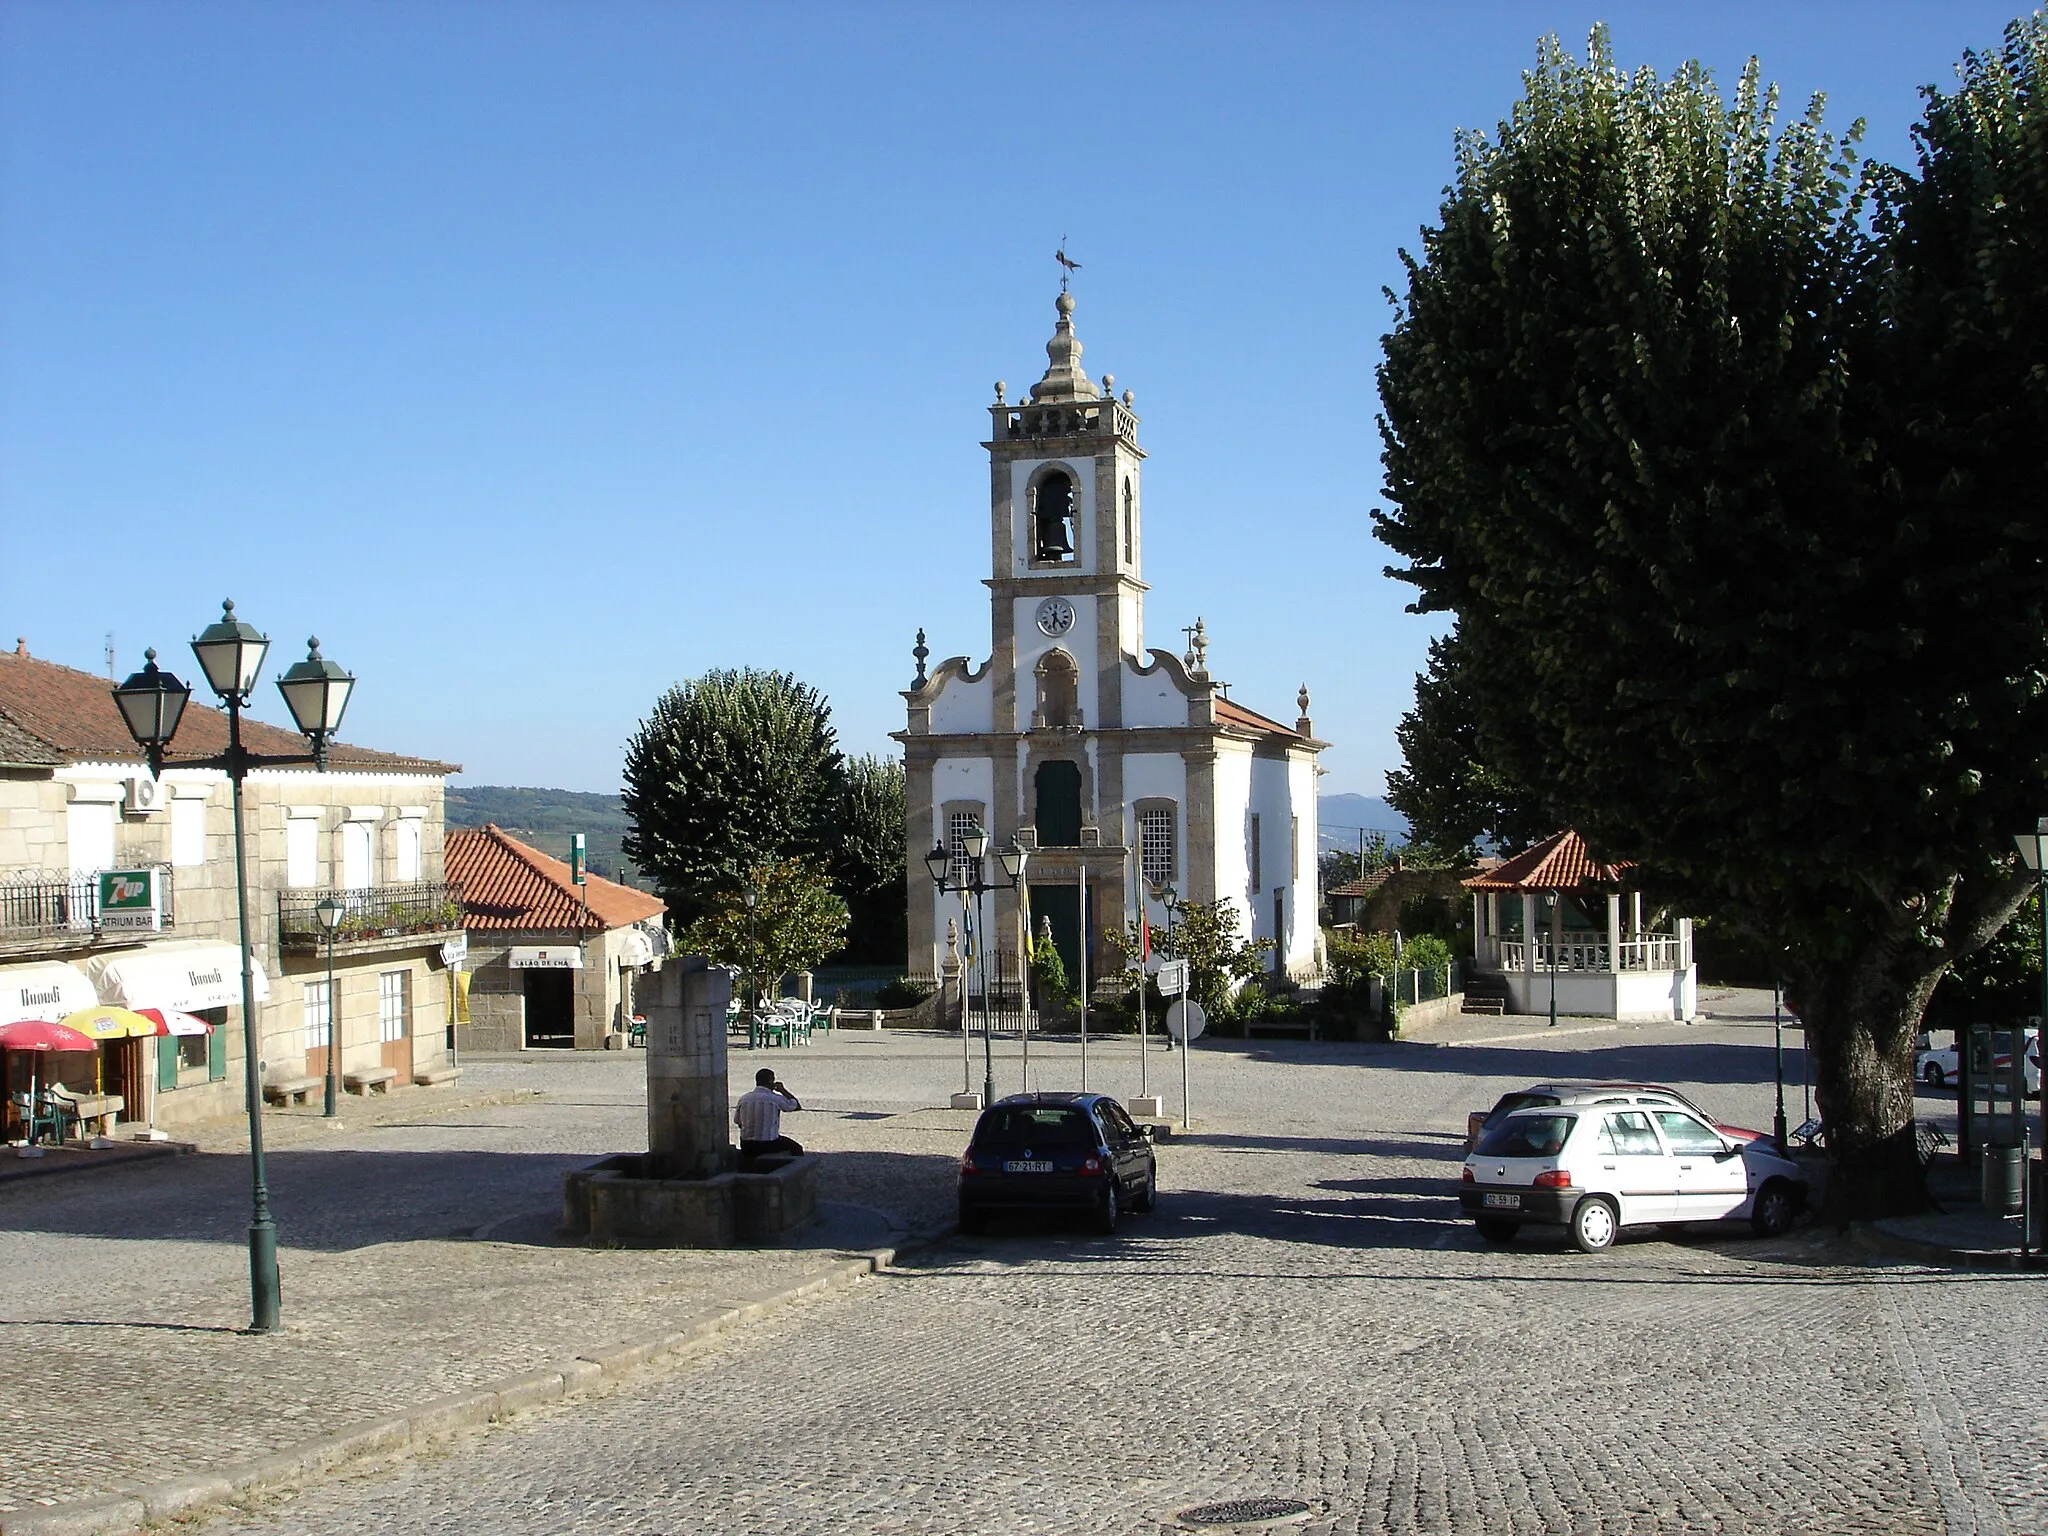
{"x": 545, "y": 818}
{"x": 1341, "y": 816}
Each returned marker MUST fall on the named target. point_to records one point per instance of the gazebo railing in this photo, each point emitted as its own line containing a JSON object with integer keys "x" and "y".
{"x": 1652, "y": 952}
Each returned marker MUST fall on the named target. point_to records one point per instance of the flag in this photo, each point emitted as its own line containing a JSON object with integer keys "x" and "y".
{"x": 967, "y": 927}
{"x": 1144, "y": 938}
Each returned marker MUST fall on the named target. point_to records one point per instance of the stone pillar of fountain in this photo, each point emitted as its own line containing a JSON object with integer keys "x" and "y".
{"x": 688, "y": 1124}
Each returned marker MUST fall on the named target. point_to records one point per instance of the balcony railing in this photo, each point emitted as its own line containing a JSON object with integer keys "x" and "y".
{"x": 47, "y": 903}
{"x": 369, "y": 912}
{"x": 1653, "y": 952}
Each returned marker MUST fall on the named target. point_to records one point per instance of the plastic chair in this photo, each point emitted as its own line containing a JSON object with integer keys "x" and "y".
{"x": 636, "y": 1031}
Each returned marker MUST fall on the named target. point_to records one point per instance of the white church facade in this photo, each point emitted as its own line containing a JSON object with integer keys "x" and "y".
{"x": 1125, "y": 768}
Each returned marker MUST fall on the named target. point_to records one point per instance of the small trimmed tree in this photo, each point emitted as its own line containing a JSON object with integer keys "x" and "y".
{"x": 1220, "y": 959}
{"x": 796, "y": 922}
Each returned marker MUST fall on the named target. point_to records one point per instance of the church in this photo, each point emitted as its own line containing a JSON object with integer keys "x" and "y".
{"x": 1121, "y": 769}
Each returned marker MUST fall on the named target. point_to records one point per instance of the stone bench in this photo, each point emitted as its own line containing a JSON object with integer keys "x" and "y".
{"x": 289, "y": 1090}
{"x": 361, "y": 1082}
{"x": 428, "y": 1077}
{"x": 1308, "y": 1028}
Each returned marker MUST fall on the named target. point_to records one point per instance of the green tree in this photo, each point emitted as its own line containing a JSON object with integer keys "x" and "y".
{"x": 796, "y": 921}
{"x": 867, "y": 860}
{"x": 1205, "y": 934}
{"x": 731, "y": 770}
{"x": 1049, "y": 984}
{"x": 1738, "y": 592}
{"x": 1444, "y": 788}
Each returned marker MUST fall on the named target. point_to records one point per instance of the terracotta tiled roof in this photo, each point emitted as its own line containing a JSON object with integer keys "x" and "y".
{"x": 1228, "y": 713}
{"x": 1561, "y": 862}
{"x": 72, "y": 715}
{"x": 506, "y": 884}
{"x": 1369, "y": 886}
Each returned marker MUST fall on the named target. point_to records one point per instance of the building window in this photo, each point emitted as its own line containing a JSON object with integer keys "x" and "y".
{"x": 188, "y": 831}
{"x": 301, "y": 851}
{"x": 192, "y": 1051}
{"x": 355, "y": 855}
{"x": 1255, "y": 851}
{"x": 1155, "y": 844}
{"x": 406, "y": 849}
{"x": 1052, "y": 519}
{"x": 392, "y": 1004}
{"x": 1130, "y": 542}
{"x": 89, "y": 829}
{"x": 1294, "y": 846}
{"x": 1059, "y": 688}
{"x": 1058, "y": 804}
{"x": 319, "y": 1012}
{"x": 959, "y": 823}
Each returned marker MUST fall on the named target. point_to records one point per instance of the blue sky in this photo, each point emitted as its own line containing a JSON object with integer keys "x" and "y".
{"x": 539, "y": 356}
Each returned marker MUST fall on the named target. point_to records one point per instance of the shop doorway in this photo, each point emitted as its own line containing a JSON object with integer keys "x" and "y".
{"x": 550, "y": 1010}
{"x": 394, "y": 1023}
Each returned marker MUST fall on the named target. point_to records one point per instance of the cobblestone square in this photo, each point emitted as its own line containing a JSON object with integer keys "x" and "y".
{"x": 1306, "y": 1316}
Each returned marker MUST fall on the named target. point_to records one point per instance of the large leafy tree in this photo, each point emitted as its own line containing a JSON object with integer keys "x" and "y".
{"x": 867, "y": 859}
{"x": 731, "y": 770}
{"x": 1741, "y": 591}
{"x": 1445, "y": 788}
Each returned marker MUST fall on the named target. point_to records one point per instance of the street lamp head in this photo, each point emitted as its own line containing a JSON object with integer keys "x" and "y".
{"x": 1013, "y": 859}
{"x": 1169, "y": 898}
{"x": 151, "y": 702}
{"x": 231, "y": 654}
{"x": 975, "y": 843}
{"x": 329, "y": 911}
{"x": 316, "y": 691}
{"x": 1550, "y": 898}
{"x": 751, "y": 896}
{"x": 2030, "y": 845}
{"x": 938, "y": 861}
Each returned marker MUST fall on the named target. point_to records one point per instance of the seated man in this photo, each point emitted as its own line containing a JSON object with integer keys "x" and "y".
{"x": 759, "y": 1117}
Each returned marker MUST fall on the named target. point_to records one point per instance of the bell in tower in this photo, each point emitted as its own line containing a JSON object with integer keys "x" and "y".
{"x": 1054, "y": 518}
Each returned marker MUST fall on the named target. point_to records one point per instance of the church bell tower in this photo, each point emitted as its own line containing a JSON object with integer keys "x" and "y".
{"x": 1067, "y": 604}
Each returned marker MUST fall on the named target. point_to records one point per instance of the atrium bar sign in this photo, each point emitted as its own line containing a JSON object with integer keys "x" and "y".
{"x": 555, "y": 957}
{"x": 129, "y": 900}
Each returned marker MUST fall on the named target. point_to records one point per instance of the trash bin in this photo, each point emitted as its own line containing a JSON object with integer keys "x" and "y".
{"x": 2004, "y": 1167}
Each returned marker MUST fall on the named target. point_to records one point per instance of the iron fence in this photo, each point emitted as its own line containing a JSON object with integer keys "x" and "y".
{"x": 369, "y": 912}
{"x": 44, "y": 903}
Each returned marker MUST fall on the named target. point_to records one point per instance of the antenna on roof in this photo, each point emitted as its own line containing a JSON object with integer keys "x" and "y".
{"x": 110, "y": 656}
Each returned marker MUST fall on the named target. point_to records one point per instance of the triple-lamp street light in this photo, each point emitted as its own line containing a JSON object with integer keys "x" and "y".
{"x": 971, "y": 877}
{"x": 316, "y": 691}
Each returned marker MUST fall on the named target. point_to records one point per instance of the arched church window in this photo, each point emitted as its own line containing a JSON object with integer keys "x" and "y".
{"x": 1052, "y": 518}
{"x": 1130, "y": 543}
{"x": 1059, "y": 804}
{"x": 1059, "y": 686}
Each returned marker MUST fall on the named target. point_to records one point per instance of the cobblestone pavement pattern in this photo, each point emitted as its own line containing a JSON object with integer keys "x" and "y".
{"x": 1305, "y": 1316}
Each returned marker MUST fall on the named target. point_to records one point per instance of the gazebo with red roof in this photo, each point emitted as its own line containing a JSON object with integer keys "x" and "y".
{"x": 553, "y": 961}
{"x": 1579, "y": 922}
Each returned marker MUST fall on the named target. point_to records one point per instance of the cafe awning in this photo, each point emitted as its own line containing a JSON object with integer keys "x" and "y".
{"x": 186, "y": 977}
{"x": 48, "y": 989}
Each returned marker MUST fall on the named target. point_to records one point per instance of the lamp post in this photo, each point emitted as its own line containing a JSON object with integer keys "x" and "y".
{"x": 1169, "y": 898}
{"x": 329, "y": 912}
{"x": 973, "y": 880}
{"x": 2033, "y": 848}
{"x": 752, "y": 897}
{"x": 152, "y": 702}
{"x": 1778, "y": 1057}
{"x": 1550, "y": 904}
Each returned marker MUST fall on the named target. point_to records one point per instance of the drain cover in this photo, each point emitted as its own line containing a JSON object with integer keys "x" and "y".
{"x": 1240, "y": 1513}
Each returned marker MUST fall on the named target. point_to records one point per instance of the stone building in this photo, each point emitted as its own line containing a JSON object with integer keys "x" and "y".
{"x": 1123, "y": 767}
{"x": 552, "y": 963}
{"x": 77, "y": 800}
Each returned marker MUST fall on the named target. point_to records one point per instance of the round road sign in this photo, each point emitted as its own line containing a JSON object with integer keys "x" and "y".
{"x": 1186, "y": 1020}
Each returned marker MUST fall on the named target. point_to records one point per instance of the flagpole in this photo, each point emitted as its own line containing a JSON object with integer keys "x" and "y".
{"x": 966, "y": 1045}
{"x": 1144, "y": 959}
{"x": 1084, "y": 983}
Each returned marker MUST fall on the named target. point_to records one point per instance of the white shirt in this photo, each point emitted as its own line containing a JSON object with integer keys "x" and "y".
{"x": 759, "y": 1115}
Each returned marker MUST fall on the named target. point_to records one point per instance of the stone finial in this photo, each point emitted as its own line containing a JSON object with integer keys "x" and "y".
{"x": 1108, "y": 385}
{"x": 1197, "y": 657}
{"x": 1130, "y": 400}
{"x": 920, "y": 651}
{"x": 1045, "y": 930}
{"x": 1000, "y": 387}
{"x": 21, "y": 645}
{"x": 952, "y": 940}
{"x": 1303, "y": 726}
{"x": 1064, "y": 379}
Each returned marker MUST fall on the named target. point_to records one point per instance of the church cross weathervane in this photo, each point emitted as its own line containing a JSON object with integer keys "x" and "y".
{"x": 1068, "y": 266}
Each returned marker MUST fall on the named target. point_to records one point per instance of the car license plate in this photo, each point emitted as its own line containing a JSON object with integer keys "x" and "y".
{"x": 1503, "y": 1202}
{"x": 1019, "y": 1165}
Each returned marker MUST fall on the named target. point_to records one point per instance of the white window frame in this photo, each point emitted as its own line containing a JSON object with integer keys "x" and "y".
{"x": 317, "y": 1007}
{"x": 355, "y": 837}
{"x": 1158, "y": 843}
{"x": 301, "y": 850}
{"x": 394, "y": 1005}
{"x": 188, "y": 831}
{"x": 408, "y": 843}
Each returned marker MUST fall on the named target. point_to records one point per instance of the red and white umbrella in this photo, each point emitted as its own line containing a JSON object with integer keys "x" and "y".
{"x": 171, "y": 1022}
{"x": 40, "y": 1035}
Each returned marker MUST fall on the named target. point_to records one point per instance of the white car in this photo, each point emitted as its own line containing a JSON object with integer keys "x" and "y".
{"x": 1598, "y": 1168}
{"x": 1937, "y": 1066}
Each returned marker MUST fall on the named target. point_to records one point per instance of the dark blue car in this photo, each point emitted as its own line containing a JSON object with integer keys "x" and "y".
{"x": 1053, "y": 1152}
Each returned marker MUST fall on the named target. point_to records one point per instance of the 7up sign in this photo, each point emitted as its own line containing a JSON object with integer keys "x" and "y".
{"x": 129, "y": 899}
